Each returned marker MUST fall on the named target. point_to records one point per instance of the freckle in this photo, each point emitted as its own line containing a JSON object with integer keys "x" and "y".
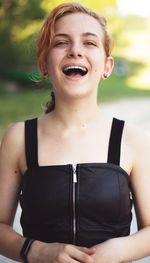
{"x": 15, "y": 172}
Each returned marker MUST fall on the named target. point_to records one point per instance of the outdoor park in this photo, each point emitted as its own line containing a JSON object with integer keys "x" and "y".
{"x": 23, "y": 92}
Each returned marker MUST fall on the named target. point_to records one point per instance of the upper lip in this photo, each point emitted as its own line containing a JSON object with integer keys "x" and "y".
{"x": 75, "y": 65}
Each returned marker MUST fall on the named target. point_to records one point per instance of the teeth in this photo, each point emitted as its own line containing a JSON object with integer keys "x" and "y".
{"x": 75, "y": 67}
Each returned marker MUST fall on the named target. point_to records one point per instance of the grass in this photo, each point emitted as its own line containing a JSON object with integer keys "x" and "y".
{"x": 28, "y": 103}
{"x": 118, "y": 87}
{"x": 132, "y": 52}
{"x": 123, "y": 82}
{"x": 20, "y": 106}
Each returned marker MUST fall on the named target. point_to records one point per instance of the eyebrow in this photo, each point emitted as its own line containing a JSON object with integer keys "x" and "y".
{"x": 68, "y": 36}
{"x": 89, "y": 34}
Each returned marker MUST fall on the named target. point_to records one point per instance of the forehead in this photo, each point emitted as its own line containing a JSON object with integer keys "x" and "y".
{"x": 78, "y": 23}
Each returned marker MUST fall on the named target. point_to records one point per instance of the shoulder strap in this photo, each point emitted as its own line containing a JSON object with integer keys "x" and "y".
{"x": 31, "y": 143}
{"x": 115, "y": 141}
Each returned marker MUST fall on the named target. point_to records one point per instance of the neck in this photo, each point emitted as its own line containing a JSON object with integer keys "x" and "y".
{"x": 76, "y": 113}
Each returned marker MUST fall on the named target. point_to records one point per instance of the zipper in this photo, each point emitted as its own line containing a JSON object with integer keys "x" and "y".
{"x": 74, "y": 168}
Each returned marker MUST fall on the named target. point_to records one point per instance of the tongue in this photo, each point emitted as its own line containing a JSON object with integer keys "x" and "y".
{"x": 73, "y": 74}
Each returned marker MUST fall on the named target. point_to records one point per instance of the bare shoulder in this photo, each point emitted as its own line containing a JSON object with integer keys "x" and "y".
{"x": 139, "y": 140}
{"x": 14, "y": 135}
{"x": 12, "y": 143}
{"x": 137, "y": 137}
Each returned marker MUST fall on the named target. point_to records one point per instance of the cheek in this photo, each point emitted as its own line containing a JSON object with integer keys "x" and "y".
{"x": 99, "y": 64}
{"x": 54, "y": 60}
{"x": 97, "y": 58}
{"x": 51, "y": 64}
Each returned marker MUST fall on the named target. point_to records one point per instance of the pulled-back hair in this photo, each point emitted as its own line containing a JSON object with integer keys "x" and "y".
{"x": 47, "y": 32}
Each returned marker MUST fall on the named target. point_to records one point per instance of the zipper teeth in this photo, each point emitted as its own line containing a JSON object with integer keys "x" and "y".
{"x": 74, "y": 201}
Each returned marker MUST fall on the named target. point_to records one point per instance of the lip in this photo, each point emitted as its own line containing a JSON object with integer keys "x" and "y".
{"x": 74, "y": 64}
{"x": 74, "y": 77}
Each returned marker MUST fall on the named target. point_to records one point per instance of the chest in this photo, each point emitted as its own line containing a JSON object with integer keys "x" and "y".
{"x": 93, "y": 190}
{"x": 73, "y": 149}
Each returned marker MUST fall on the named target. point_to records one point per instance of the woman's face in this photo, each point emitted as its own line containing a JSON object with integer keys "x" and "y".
{"x": 76, "y": 60}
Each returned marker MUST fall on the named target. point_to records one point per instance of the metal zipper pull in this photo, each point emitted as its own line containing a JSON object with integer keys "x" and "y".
{"x": 74, "y": 166}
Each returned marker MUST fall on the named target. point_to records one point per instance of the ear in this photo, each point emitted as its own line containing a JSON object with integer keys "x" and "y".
{"x": 43, "y": 69}
{"x": 109, "y": 64}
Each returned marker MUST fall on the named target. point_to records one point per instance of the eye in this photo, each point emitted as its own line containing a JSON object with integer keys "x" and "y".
{"x": 61, "y": 43}
{"x": 90, "y": 43}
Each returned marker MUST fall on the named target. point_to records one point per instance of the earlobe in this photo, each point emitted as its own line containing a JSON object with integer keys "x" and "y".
{"x": 43, "y": 69}
{"x": 109, "y": 64}
{"x": 45, "y": 74}
{"x": 105, "y": 76}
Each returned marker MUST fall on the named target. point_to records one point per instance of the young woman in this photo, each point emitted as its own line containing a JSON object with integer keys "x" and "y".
{"x": 74, "y": 168}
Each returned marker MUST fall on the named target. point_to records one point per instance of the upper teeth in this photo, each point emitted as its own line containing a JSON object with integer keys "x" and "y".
{"x": 75, "y": 67}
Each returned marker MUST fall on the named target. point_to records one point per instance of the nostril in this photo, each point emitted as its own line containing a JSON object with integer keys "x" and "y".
{"x": 70, "y": 55}
{"x": 74, "y": 52}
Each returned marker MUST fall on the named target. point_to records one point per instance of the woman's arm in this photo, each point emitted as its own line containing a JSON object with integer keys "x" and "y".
{"x": 12, "y": 166}
{"x": 136, "y": 246}
{"x": 139, "y": 243}
{"x": 10, "y": 183}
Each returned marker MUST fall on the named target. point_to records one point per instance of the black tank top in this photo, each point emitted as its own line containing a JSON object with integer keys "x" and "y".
{"x": 84, "y": 204}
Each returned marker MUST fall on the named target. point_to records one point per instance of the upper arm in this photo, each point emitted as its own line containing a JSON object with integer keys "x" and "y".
{"x": 10, "y": 174}
{"x": 140, "y": 177}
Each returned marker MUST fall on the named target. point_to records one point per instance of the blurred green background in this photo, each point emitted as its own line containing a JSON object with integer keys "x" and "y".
{"x": 20, "y": 20}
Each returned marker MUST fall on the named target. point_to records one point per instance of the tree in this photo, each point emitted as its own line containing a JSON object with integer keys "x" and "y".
{"x": 94, "y": 4}
{"x": 20, "y": 21}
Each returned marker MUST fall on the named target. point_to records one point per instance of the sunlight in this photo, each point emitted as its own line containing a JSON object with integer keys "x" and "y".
{"x": 134, "y": 7}
{"x": 94, "y": 4}
{"x": 140, "y": 81}
{"x": 20, "y": 34}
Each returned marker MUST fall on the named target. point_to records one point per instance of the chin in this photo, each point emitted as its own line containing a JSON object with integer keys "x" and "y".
{"x": 79, "y": 93}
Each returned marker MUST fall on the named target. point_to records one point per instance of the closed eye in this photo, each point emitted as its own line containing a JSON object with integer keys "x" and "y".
{"x": 61, "y": 43}
{"x": 90, "y": 43}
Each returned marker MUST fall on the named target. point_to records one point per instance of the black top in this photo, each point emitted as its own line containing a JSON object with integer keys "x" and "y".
{"x": 83, "y": 205}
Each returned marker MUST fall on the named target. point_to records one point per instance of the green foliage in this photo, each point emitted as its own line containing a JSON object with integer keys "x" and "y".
{"x": 15, "y": 17}
{"x": 29, "y": 103}
{"x": 20, "y": 21}
{"x": 95, "y": 5}
{"x": 21, "y": 105}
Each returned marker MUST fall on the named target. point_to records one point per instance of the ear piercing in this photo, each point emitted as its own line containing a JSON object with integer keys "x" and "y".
{"x": 105, "y": 76}
{"x": 45, "y": 75}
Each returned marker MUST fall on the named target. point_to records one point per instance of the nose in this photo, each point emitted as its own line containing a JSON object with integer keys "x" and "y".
{"x": 75, "y": 50}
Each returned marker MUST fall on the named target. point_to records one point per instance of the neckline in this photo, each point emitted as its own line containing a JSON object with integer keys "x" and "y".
{"x": 109, "y": 147}
{"x": 31, "y": 143}
{"x": 82, "y": 165}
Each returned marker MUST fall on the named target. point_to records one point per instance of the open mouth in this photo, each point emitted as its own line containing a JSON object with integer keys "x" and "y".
{"x": 73, "y": 71}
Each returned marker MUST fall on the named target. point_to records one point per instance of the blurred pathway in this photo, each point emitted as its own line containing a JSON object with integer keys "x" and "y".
{"x": 135, "y": 111}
